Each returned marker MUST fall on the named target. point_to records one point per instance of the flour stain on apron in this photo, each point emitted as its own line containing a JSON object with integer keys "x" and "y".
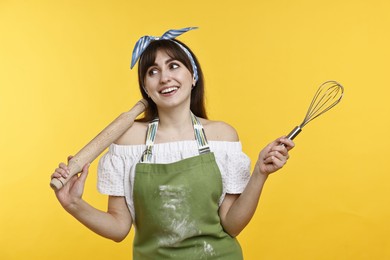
{"x": 176, "y": 215}
{"x": 208, "y": 250}
{"x": 176, "y": 211}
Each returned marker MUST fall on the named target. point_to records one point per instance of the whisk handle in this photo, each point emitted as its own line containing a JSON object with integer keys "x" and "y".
{"x": 294, "y": 132}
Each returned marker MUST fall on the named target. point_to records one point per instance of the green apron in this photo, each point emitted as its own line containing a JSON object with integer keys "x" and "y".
{"x": 176, "y": 206}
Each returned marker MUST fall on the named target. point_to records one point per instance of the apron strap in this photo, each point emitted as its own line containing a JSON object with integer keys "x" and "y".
{"x": 200, "y": 138}
{"x": 150, "y": 136}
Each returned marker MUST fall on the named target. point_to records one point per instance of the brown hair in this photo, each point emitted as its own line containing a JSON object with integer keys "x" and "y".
{"x": 174, "y": 51}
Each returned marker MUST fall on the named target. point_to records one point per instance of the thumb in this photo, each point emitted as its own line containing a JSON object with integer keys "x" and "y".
{"x": 84, "y": 173}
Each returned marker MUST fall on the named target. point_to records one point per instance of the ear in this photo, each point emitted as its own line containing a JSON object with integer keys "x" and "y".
{"x": 193, "y": 82}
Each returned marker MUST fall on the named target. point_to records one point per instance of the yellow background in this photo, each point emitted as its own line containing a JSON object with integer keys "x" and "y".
{"x": 64, "y": 75}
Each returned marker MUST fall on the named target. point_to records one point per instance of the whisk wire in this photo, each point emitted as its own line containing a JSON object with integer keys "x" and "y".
{"x": 327, "y": 96}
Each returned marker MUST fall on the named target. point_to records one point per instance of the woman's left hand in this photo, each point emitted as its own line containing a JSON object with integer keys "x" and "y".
{"x": 274, "y": 156}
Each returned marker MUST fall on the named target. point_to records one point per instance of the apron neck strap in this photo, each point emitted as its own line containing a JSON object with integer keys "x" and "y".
{"x": 200, "y": 138}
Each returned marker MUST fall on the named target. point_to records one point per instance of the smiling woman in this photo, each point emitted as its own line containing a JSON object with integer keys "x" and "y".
{"x": 174, "y": 49}
{"x": 187, "y": 195}
{"x": 168, "y": 82}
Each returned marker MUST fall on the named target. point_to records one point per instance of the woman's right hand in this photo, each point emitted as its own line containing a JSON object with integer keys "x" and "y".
{"x": 72, "y": 192}
{"x": 100, "y": 222}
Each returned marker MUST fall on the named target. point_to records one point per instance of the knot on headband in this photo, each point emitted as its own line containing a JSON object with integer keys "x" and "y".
{"x": 144, "y": 42}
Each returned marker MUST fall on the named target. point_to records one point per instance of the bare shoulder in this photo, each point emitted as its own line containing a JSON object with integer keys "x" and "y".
{"x": 219, "y": 131}
{"x": 135, "y": 135}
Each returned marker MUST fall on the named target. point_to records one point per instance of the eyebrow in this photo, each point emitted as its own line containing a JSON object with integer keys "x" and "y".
{"x": 166, "y": 62}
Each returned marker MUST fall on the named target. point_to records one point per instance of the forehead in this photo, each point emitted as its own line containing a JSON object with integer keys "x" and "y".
{"x": 162, "y": 55}
{"x": 165, "y": 48}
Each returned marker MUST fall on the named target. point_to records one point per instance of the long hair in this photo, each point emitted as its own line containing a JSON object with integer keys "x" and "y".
{"x": 174, "y": 51}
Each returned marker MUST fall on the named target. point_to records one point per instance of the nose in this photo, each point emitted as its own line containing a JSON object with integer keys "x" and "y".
{"x": 165, "y": 76}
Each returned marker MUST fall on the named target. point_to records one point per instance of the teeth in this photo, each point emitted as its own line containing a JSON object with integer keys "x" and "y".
{"x": 167, "y": 90}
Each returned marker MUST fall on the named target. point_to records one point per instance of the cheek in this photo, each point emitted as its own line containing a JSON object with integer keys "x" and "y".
{"x": 187, "y": 77}
{"x": 149, "y": 82}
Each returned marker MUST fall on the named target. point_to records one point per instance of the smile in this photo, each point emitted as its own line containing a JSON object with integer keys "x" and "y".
{"x": 169, "y": 90}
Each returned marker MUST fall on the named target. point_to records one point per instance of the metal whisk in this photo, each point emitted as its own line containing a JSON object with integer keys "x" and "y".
{"x": 327, "y": 96}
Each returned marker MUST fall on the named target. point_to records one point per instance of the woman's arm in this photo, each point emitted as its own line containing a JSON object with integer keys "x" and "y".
{"x": 237, "y": 210}
{"x": 114, "y": 224}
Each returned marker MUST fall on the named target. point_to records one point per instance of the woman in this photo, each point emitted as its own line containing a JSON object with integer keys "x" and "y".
{"x": 188, "y": 196}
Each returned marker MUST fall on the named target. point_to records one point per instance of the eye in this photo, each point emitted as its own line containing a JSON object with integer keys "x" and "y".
{"x": 174, "y": 65}
{"x": 152, "y": 71}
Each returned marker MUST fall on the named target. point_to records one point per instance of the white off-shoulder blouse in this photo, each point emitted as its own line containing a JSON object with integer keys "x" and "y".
{"x": 116, "y": 169}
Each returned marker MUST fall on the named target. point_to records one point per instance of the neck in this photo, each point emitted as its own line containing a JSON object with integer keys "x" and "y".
{"x": 174, "y": 120}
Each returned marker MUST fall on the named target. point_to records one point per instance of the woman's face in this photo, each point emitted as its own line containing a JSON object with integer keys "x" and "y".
{"x": 168, "y": 82}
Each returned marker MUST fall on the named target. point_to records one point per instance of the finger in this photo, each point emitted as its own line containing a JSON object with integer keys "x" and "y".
{"x": 63, "y": 172}
{"x": 279, "y": 155}
{"x": 277, "y": 163}
{"x": 70, "y": 157}
{"x": 280, "y": 149}
{"x": 55, "y": 175}
{"x": 63, "y": 166}
{"x": 289, "y": 144}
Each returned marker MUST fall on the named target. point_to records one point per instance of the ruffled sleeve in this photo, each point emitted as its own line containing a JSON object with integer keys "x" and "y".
{"x": 112, "y": 170}
{"x": 234, "y": 165}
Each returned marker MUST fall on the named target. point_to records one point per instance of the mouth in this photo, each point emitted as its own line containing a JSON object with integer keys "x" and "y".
{"x": 168, "y": 90}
